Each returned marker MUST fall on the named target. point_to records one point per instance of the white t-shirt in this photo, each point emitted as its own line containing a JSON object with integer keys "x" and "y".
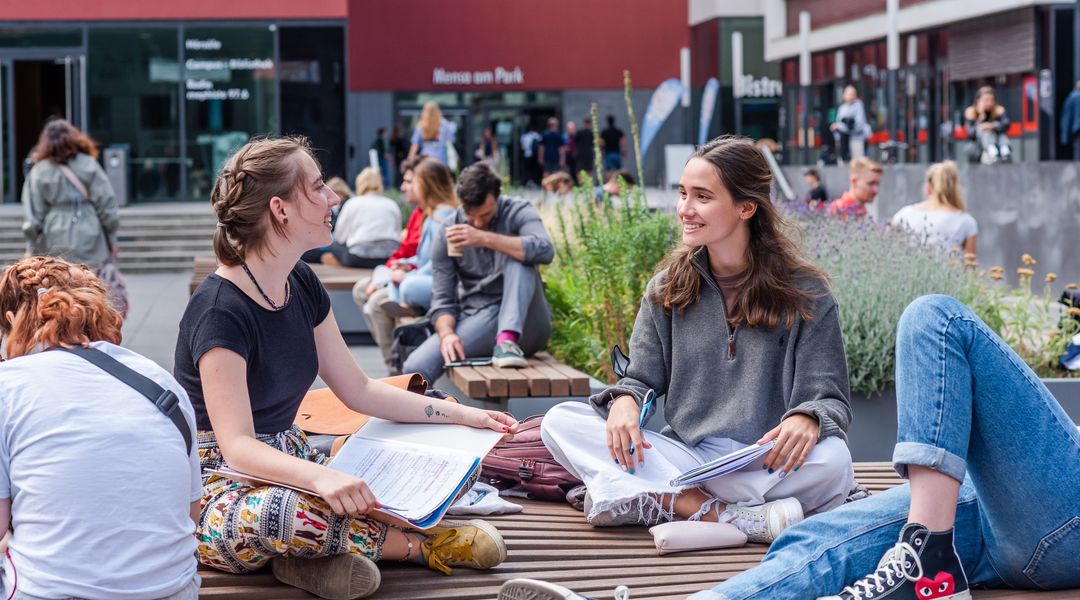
{"x": 100, "y": 482}
{"x": 368, "y": 219}
{"x": 942, "y": 227}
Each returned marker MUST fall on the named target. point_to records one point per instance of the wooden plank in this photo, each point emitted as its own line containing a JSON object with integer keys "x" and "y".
{"x": 579, "y": 382}
{"x": 469, "y": 381}
{"x": 517, "y": 383}
{"x": 560, "y": 383}
{"x": 497, "y": 386}
{"x": 339, "y": 278}
{"x": 539, "y": 383}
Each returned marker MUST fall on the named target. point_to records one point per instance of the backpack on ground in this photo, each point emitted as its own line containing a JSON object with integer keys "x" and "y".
{"x": 524, "y": 461}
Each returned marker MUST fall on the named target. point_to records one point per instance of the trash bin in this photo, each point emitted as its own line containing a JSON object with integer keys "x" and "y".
{"x": 116, "y": 169}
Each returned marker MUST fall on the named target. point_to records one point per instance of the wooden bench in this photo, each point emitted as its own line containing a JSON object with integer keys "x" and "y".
{"x": 338, "y": 281}
{"x": 544, "y": 377}
{"x": 551, "y": 541}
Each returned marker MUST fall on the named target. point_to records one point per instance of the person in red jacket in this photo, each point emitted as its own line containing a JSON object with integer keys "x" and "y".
{"x": 379, "y": 325}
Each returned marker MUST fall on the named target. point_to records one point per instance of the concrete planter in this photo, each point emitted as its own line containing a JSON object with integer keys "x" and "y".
{"x": 873, "y": 432}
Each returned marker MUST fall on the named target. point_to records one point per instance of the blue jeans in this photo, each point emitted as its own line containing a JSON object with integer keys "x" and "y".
{"x": 612, "y": 161}
{"x": 970, "y": 408}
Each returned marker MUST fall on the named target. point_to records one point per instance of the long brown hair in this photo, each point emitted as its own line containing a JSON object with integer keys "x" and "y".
{"x": 773, "y": 288}
{"x": 54, "y": 302}
{"x": 260, "y": 170}
{"x": 61, "y": 141}
{"x": 435, "y": 185}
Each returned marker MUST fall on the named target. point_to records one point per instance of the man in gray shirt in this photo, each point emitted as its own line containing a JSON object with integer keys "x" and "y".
{"x": 487, "y": 297}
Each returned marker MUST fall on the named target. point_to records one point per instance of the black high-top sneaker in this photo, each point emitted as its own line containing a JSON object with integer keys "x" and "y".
{"x": 921, "y": 566}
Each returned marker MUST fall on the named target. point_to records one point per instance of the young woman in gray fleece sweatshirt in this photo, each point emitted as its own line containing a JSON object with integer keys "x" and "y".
{"x": 742, "y": 339}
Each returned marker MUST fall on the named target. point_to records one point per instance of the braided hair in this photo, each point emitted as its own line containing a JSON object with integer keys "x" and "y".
{"x": 260, "y": 170}
{"x": 54, "y": 302}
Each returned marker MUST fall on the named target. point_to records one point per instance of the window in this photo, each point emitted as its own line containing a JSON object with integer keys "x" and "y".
{"x": 132, "y": 79}
{"x": 230, "y": 94}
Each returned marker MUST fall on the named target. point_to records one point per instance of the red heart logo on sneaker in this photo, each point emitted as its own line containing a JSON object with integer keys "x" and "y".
{"x": 941, "y": 586}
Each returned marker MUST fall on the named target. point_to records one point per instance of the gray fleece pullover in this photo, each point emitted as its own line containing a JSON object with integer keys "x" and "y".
{"x": 713, "y": 392}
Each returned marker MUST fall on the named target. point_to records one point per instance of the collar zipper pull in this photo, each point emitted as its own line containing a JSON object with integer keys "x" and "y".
{"x": 731, "y": 343}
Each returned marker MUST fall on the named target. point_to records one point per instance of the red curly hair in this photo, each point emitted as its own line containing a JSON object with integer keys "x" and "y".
{"x": 53, "y": 303}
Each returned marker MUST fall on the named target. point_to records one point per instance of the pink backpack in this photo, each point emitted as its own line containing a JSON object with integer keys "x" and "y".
{"x": 526, "y": 461}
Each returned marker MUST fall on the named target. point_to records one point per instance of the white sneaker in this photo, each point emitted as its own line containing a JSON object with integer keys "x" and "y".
{"x": 534, "y": 589}
{"x": 764, "y": 522}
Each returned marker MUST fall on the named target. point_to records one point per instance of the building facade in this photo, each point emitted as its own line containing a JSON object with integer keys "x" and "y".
{"x": 170, "y": 89}
{"x": 948, "y": 49}
{"x": 509, "y": 67}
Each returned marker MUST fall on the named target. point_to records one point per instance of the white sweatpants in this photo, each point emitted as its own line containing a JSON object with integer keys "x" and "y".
{"x": 577, "y": 438}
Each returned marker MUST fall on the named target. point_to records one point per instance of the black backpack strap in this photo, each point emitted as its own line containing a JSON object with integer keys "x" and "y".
{"x": 163, "y": 399}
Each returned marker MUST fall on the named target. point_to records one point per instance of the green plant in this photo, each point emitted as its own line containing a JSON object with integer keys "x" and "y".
{"x": 606, "y": 253}
{"x": 1035, "y": 325}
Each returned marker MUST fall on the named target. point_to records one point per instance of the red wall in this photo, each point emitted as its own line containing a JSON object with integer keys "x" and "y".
{"x": 167, "y": 10}
{"x": 558, "y": 44}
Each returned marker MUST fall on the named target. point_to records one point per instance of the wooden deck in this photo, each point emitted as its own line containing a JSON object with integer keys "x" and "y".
{"x": 552, "y": 541}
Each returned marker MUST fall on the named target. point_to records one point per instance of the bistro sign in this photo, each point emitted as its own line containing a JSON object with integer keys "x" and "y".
{"x": 498, "y": 76}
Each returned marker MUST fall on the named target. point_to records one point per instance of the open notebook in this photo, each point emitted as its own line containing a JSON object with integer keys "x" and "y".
{"x": 723, "y": 465}
{"x": 415, "y": 470}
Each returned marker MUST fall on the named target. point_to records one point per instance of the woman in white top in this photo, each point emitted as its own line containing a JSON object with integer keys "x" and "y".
{"x": 368, "y": 227}
{"x": 97, "y": 485}
{"x": 942, "y": 218}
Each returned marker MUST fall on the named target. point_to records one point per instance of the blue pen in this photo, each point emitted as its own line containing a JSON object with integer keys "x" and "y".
{"x": 645, "y": 406}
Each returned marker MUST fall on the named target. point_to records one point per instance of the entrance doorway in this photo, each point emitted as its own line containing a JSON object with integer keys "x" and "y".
{"x": 33, "y": 92}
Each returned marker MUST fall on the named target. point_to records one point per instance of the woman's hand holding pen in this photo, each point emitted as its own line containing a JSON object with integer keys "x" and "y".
{"x": 624, "y": 433}
{"x": 489, "y": 419}
{"x": 795, "y": 437}
{"x": 346, "y": 495}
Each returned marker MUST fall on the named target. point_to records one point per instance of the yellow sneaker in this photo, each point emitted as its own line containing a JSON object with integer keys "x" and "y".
{"x": 473, "y": 544}
{"x": 340, "y": 577}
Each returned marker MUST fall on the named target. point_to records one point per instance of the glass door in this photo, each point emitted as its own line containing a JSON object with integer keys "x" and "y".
{"x": 37, "y": 90}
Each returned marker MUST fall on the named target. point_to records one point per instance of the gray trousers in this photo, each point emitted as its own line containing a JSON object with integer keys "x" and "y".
{"x": 523, "y": 309}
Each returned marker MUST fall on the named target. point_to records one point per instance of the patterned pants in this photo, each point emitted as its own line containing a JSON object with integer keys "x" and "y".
{"x": 243, "y": 527}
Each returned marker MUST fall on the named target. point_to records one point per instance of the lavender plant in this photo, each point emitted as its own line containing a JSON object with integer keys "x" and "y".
{"x": 875, "y": 273}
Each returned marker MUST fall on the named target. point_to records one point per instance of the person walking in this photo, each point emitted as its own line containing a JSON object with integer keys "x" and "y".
{"x": 433, "y": 135}
{"x": 614, "y": 145}
{"x": 69, "y": 205}
{"x": 585, "y": 155}
{"x": 552, "y": 156}
{"x": 382, "y": 153}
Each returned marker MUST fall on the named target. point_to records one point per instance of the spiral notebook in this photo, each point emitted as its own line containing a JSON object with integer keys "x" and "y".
{"x": 718, "y": 467}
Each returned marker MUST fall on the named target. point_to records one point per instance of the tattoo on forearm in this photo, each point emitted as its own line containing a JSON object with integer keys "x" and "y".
{"x": 430, "y": 411}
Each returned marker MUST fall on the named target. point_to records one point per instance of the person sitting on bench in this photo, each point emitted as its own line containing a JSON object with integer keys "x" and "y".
{"x": 489, "y": 297}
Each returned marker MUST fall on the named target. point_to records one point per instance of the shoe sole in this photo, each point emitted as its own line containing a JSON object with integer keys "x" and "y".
{"x": 530, "y": 589}
{"x": 964, "y": 595}
{"x": 324, "y": 577}
{"x": 487, "y": 528}
{"x": 793, "y": 514}
{"x": 395, "y": 310}
{"x": 513, "y": 362}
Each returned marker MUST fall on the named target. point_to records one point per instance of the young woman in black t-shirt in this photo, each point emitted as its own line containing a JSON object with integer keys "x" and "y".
{"x": 252, "y": 340}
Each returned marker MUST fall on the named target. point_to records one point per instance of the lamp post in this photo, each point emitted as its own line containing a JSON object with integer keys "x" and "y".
{"x": 892, "y": 51}
{"x": 804, "y": 83}
{"x": 737, "y": 77}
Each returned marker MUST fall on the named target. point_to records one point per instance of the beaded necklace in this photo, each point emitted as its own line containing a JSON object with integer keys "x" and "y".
{"x": 288, "y": 289}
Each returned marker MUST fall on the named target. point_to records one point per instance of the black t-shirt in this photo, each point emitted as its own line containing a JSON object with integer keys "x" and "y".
{"x": 612, "y": 137}
{"x": 583, "y": 145}
{"x": 279, "y": 346}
